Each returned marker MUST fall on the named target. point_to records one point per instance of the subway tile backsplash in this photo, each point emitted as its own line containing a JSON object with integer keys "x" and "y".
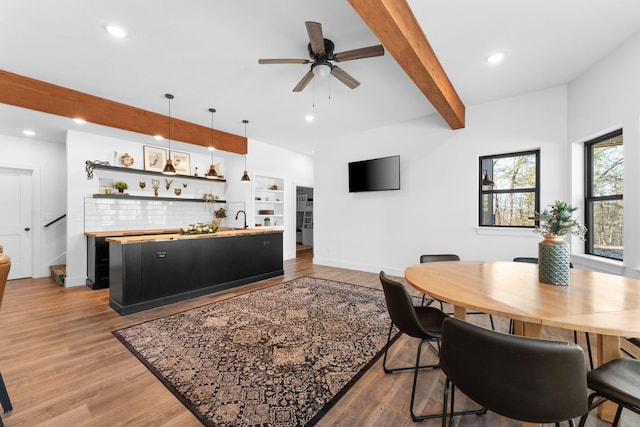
{"x": 116, "y": 214}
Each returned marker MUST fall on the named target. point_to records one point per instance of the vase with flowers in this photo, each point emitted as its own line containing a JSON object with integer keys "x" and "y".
{"x": 553, "y": 252}
{"x": 219, "y": 214}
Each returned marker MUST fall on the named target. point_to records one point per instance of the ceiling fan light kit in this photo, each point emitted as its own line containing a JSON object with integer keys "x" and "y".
{"x": 322, "y": 69}
{"x": 321, "y": 53}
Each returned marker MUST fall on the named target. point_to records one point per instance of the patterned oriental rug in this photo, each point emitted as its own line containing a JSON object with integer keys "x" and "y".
{"x": 280, "y": 356}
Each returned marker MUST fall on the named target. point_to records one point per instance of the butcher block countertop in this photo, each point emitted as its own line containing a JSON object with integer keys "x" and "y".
{"x": 129, "y": 232}
{"x": 123, "y": 240}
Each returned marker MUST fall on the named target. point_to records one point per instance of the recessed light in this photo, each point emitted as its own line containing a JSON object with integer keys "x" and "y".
{"x": 308, "y": 118}
{"x": 79, "y": 121}
{"x": 28, "y": 132}
{"x": 158, "y": 137}
{"x": 116, "y": 31}
{"x": 212, "y": 148}
{"x": 494, "y": 58}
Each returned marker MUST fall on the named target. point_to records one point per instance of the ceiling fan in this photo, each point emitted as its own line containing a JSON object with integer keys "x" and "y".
{"x": 321, "y": 54}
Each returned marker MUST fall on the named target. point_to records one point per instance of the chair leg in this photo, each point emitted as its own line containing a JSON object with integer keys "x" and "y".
{"x": 586, "y": 334}
{"x": 593, "y": 405}
{"x": 4, "y": 397}
{"x": 449, "y": 414}
{"x": 616, "y": 419}
{"x": 426, "y": 302}
{"x": 408, "y": 368}
{"x": 415, "y": 417}
{"x": 575, "y": 340}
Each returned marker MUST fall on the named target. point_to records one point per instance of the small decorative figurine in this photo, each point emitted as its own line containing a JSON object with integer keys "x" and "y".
{"x": 126, "y": 160}
{"x": 155, "y": 183}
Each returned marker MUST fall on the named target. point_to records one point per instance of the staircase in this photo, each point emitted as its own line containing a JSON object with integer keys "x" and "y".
{"x": 58, "y": 273}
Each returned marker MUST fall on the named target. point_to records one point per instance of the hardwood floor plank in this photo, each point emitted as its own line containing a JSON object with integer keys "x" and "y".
{"x": 63, "y": 367}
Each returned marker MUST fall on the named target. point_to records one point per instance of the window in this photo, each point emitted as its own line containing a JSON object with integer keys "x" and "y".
{"x": 509, "y": 189}
{"x": 604, "y": 189}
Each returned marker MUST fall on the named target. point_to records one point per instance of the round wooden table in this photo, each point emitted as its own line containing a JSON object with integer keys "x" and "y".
{"x": 604, "y": 304}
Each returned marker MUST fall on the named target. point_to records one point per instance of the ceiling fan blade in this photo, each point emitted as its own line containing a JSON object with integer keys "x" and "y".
{"x": 315, "y": 37}
{"x": 283, "y": 61}
{"x": 344, "y": 77}
{"x": 304, "y": 82}
{"x": 364, "y": 52}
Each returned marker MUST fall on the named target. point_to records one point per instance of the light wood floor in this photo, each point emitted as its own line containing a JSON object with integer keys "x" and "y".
{"x": 63, "y": 367}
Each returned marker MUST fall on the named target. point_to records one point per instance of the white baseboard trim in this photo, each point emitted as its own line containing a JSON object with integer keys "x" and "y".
{"x": 392, "y": 271}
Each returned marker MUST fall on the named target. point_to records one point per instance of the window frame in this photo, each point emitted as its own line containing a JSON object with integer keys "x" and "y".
{"x": 589, "y": 198}
{"x": 535, "y": 190}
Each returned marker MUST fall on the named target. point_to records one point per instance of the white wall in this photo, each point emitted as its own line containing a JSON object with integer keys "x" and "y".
{"x": 436, "y": 209}
{"x": 47, "y": 160}
{"x": 294, "y": 168}
{"x": 604, "y": 98}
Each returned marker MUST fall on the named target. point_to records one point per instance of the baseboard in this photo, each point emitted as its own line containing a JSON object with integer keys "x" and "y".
{"x": 393, "y": 271}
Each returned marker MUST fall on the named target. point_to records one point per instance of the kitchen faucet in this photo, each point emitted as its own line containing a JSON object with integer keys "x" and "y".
{"x": 245, "y": 217}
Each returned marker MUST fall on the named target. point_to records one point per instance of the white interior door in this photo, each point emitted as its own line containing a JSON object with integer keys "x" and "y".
{"x": 15, "y": 219}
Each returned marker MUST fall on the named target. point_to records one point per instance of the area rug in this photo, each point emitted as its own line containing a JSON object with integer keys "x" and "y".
{"x": 280, "y": 356}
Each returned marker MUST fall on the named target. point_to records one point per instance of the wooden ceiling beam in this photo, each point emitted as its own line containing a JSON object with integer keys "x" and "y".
{"x": 41, "y": 96}
{"x": 395, "y": 25}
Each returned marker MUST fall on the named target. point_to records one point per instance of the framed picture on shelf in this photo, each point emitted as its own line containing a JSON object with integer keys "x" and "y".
{"x": 181, "y": 162}
{"x": 154, "y": 158}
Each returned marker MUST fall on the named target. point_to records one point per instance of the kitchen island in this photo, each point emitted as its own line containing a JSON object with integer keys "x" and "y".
{"x": 153, "y": 270}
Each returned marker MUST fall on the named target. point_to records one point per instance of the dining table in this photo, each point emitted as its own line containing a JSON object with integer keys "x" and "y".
{"x": 606, "y": 305}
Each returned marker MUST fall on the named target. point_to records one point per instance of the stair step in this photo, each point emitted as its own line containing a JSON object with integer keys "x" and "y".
{"x": 58, "y": 273}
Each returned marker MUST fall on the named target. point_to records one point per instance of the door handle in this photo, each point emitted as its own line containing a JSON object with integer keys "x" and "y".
{"x": 27, "y": 229}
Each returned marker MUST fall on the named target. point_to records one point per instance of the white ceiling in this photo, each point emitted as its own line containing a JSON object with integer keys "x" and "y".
{"x": 205, "y": 52}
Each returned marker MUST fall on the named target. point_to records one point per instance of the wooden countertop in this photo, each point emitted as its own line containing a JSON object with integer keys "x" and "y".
{"x": 129, "y": 232}
{"x": 175, "y": 236}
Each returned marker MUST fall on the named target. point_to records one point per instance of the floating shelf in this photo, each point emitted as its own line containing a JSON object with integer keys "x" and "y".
{"x": 169, "y": 199}
{"x": 144, "y": 172}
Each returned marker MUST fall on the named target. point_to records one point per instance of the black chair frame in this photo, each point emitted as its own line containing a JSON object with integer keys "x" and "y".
{"x": 599, "y": 402}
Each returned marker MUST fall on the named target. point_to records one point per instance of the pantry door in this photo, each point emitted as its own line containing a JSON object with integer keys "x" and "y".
{"x": 15, "y": 219}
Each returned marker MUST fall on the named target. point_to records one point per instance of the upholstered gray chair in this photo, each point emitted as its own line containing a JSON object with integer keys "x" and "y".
{"x": 525, "y": 379}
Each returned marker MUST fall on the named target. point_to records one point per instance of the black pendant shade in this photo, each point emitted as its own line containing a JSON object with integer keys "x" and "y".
{"x": 169, "y": 169}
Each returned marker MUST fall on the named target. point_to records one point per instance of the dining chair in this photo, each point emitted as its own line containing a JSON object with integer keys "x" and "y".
{"x": 446, "y": 257}
{"x": 5, "y": 266}
{"x": 532, "y": 260}
{"x": 525, "y": 379}
{"x": 416, "y": 321}
{"x": 617, "y": 381}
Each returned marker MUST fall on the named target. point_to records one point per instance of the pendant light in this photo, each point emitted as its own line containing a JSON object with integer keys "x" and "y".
{"x": 245, "y": 176}
{"x": 168, "y": 168}
{"x": 486, "y": 180}
{"x": 212, "y": 174}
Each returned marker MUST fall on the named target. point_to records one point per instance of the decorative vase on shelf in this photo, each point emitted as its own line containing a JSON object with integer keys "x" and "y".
{"x": 553, "y": 260}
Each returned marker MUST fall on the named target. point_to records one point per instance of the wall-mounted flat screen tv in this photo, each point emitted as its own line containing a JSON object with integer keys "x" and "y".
{"x": 375, "y": 174}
